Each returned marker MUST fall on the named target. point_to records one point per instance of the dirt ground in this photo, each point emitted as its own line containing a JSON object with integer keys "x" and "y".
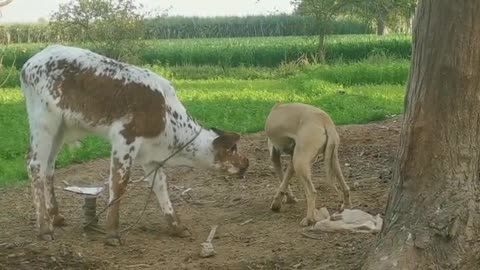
{"x": 249, "y": 235}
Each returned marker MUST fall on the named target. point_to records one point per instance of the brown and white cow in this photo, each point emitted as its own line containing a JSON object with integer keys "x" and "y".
{"x": 72, "y": 92}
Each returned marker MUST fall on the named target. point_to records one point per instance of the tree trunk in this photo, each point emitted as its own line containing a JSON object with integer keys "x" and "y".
{"x": 321, "y": 48}
{"x": 380, "y": 27}
{"x": 381, "y": 22}
{"x": 433, "y": 212}
{"x": 324, "y": 26}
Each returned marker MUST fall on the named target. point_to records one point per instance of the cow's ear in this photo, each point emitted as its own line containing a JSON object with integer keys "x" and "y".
{"x": 227, "y": 140}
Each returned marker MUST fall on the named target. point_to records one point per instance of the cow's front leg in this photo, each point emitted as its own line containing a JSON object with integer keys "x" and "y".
{"x": 160, "y": 188}
{"x": 120, "y": 167}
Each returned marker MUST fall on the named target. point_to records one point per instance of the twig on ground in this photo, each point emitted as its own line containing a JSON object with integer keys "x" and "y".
{"x": 207, "y": 247}
{"x": 246, "y": 221}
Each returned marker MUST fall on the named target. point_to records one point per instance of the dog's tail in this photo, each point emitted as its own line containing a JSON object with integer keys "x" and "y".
{"x": 330, "y": 157}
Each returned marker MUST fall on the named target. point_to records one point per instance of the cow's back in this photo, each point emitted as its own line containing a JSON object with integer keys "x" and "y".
{"x": 93, "y": 90}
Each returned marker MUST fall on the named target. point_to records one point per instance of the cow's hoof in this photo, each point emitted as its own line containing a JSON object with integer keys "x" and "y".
{"x": 58, "y": 220}
{"x": 113, "y": 241}
{"x": 179, "y": 230}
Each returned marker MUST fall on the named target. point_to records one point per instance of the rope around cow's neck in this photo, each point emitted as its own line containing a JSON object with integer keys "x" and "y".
{"x": 155, "y": 170}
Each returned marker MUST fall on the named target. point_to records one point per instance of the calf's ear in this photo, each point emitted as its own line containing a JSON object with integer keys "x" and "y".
{"x": 226, "y": 141}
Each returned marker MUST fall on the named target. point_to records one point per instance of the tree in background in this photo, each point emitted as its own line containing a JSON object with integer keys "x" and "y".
{"x": 385, "y": 12}
{"x": 4, "y": 3}
{"x": 432, "y": 218}
{"x": 7, "y": 41}
{"x": 114, "y": 27}
{"x": 324, "y": 12}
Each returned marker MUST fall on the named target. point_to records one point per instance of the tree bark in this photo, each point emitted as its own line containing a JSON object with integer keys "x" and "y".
{"x": 380, "y": 26}
{"x": 324, "y": 26}
{"x": 433, "y": 212}
{"x": 381, "y": 19}
{"x": 321, "y": 48}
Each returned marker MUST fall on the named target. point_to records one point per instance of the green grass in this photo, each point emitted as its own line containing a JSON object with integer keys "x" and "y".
{"x": 250, "y": 52}
{"x": 244, "y": 105}
{"x": 234, "y": 101}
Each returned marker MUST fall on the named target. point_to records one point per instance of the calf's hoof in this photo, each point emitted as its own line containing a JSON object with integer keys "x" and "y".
{"x": 290, "y": 199}
{"x": 113, "y": 240}
{"x": 307, "y": 222}
{"x": 346, "y": 205}
{"x": 58, "y": 220}
{"x": 48, "y": 236}
{"x": 276, "y": 206}
{"x": 318, "y": 215}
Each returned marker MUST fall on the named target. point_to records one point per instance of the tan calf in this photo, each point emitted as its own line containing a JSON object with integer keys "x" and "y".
{"x": 304, "y": 132}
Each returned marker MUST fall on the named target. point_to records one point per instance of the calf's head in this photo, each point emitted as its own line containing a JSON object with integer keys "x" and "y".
{"x": 227, "y": 158}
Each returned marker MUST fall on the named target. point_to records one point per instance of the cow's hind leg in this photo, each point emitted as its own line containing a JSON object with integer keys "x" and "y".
{"x": 58, "y": 219}
{"x": 160, "y": 188}
{"x": 46, "y": 138}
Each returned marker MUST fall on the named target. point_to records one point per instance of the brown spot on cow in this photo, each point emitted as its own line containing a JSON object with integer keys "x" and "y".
{"x": 126, "y": 157}
{"x": 226, "y": 151}
{"x": 175, "y": 115}
{"x": 119, "y": 179}
{"x": 102, "y": 99}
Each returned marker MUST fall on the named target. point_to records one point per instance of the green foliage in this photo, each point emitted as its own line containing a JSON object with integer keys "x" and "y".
{"x": 237, "y": 99}
{"x": 324, "y": 12}
{"x": 9, "y": 77}
{"x": 248, "y": 52}
{"x": 112, "y": 26}
{"x": 392, "y": 13}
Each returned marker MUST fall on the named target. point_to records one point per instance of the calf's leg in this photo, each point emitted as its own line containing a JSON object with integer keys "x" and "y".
{"x": 286, "y": 191}
{"x": 303, "y": 157}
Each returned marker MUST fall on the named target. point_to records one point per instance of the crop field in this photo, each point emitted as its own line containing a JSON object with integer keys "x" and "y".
{"x": 257, "y": 52}
{"x": 179, "y": 27}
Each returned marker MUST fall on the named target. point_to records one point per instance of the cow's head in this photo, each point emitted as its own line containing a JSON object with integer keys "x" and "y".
{"x": 227, "y": 158}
